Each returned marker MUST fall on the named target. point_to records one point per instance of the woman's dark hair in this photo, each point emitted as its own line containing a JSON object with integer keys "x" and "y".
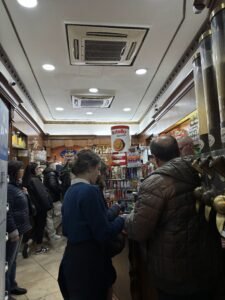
{"x": 13, "y": 168}
{"x": 86, "y": 159}
{"x": 29, "y": 172}
{"x": 165, "y": 148}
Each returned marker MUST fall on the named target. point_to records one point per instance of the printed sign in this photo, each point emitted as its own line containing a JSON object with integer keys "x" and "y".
{"x": 120, "y": 138}
{"x": 68, "y": 153}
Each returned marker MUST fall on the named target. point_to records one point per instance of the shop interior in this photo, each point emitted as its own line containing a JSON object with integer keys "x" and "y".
{"x": 56, "y": 101}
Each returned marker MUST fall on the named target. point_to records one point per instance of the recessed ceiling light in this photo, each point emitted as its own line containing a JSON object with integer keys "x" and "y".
{"x": 59, "y": 108}
{"x": 48, "y": 67}
{"x": 127, "y": 109}
{"x": 141, "y": 71}
{"x": 93, "y": 90}
{"x": 89, "y": 113}
{"x": 28, "y": 3}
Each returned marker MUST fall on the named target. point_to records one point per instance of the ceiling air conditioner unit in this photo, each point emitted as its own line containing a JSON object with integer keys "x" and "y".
{"x": 91, "y": 101}
{"x": 101, "y": 45}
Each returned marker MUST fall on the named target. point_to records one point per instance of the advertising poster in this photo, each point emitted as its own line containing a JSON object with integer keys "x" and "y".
{"x": 120, "y": 138}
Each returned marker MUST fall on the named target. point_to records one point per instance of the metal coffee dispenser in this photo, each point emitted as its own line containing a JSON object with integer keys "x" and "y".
{"x": 210, "y": 90}
{"x": 200, "y": 103}
{"x": 218, "y": 45}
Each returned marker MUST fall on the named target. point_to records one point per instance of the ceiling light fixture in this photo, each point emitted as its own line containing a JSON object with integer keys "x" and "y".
{"x": 89, "y": 113}
{"x": 93, "y": 90}
{"x": 28, "y": 3}
{"x": 48, "y": 67}
{"x": 141, "y": 71}
{"x": 59, "y": 108}
{"x": 127, "y": 109}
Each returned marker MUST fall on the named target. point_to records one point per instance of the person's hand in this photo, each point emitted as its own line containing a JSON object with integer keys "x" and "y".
{"x": 24, "y": 189}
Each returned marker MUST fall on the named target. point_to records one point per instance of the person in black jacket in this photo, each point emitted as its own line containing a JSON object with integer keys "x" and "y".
{"x": 54, "y": 216}
{"x": 17, "y": 224}
{"x": 41, "y": 199}
{"x": 65, "y": 176}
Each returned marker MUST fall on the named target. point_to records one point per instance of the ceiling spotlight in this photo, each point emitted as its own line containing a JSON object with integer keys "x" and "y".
{"x": 89, "y": 113}
{"x": 127, "y": 109}
{"x": 59, "y": 108}
{"x": 48, "y": 67}
{"x": 28, "y": 3}
{"x": 93, "y": 90}
{"x": 141, "y": 71}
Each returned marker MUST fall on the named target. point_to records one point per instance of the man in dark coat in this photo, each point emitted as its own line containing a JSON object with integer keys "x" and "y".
{"x": 183, "y": 250}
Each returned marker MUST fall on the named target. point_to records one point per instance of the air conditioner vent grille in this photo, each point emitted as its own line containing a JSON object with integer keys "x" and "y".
{"x": 131, "y": 50}
{"x": 104, "y": 50}
{"x": 104, "y": 45}
{"x": 107, "y": 34}
{"x": 91, "y": 102}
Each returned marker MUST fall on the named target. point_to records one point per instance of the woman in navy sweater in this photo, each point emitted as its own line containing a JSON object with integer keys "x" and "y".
{"x": 84, "y": 272}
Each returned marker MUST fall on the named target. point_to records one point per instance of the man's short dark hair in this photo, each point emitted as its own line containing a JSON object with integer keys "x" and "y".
{"x": 165, "y": 148}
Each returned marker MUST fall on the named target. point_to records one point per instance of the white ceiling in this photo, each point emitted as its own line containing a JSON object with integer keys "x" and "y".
{"x": 42, "y": 35}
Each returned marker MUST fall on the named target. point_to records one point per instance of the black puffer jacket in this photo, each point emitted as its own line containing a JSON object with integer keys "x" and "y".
{"x": 184, "y": 251}
{"x": 39, "y": 194}
{"x": 52, "y": 184}
{"x": 18, "y": 214}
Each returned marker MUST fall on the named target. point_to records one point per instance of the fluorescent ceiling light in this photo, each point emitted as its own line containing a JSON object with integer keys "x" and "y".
{"x": 48, "y": 67}
{"x": 89, "y": 113}
{"x": 93, "y": 90}
{"x": 127, "y": 109}
{"x": 141, "y": 71}
{"x": 28, "y": 3}
{"x": 59, "y": 108}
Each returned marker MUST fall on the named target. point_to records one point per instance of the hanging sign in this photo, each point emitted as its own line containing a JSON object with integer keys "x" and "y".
{"x": 120, "y": 138}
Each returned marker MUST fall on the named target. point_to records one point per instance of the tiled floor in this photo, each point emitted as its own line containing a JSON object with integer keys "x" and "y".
{"x": 38, "y": 274}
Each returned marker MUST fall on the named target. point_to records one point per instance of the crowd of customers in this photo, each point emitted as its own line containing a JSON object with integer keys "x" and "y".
{"x": 183, "y": 251}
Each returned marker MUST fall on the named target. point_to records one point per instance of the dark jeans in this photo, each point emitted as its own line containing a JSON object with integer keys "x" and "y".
{"x": 12, "y": 249}
{"x": 39, "y": 226}
{"x": 197, "y": 296}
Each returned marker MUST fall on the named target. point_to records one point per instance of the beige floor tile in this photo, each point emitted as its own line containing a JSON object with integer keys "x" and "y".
{"x": 50, "y": 257}
{"x": 35, "y": 273}
{"x": 22, "y": 297}
{"x": 60, "y": 249}
{"x": 52, "y": 269}
{"x": 55, "y": 296}
{"x": 25, "y": 264}
{"x": 39, "y": 274}
{"x": 42, "y": 288}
